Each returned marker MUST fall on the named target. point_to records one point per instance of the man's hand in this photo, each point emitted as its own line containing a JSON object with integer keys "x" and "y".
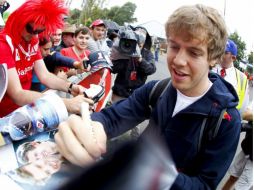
{"x": 73, "y": 105}
{"x": 78, "y": 65}
{"x": 71, "y": 72}
{"x": 138, "y": 59}
{"x": 62, "y": 75}
{"x": 79, "y": 142}
{"x": 77, "y": 89}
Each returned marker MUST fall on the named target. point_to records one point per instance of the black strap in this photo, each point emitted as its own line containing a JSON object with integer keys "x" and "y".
{"x": 210, "y": 125}
{"x": 157, "y": 91}
{"x": 209, "y": 128}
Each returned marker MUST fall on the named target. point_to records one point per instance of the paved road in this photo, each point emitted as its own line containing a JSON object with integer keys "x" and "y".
{"x": 162, "y": 69}
{"x": 161, "y": 73}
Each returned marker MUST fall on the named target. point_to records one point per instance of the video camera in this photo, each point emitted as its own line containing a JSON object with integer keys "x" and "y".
{"x": 128, "y": 42}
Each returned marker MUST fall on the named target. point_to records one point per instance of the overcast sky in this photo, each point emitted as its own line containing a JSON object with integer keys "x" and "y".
{"x": 238, "y": 15}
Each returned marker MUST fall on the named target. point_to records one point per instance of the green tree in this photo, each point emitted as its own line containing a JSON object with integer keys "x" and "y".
{"x": 250, "y": 57}
{"x": 74, "y": 16}
{"x": 250, "y": 60}
{"x": 122, "y": 14}
{"x": 241, "y": 47}
{"x": 93, "y": 9}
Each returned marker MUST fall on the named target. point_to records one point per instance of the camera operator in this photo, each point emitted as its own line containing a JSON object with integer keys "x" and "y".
{"x": 132, "y": 70}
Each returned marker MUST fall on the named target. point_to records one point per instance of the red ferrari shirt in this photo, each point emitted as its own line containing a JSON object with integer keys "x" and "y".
{"x": 69, "y": 52}
{"x": 22, "y": 57}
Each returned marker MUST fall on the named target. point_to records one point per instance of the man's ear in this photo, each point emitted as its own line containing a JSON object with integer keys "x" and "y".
{"x": 233, "y": 57}
{"x": 212, "y": 63}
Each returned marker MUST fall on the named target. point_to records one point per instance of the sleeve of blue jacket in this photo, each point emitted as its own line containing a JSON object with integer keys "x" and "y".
{"x": 55, "y": 59}
{"x": 126, "y": 114}
{"x": 61, "y": 60}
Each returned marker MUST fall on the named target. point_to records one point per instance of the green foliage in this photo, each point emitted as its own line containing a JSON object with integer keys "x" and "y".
{"x": 250, "y": 57}
{"x": 94, "y": 10}
{"x": 6, "y": 15}
{"x": 91, "y": 11}
{"x": 241, "y": 47}
{"x": 122, "y": 14}
{"x": 74, "y": 16}
{"x": 88, "y": 22}
{"x": 250, "y": 60}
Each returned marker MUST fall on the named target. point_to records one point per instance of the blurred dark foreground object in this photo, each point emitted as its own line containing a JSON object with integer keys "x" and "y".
{"x": 137, "y": 165}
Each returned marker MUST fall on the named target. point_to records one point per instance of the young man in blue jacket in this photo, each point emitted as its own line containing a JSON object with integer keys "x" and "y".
{"x": 196, "y": 38}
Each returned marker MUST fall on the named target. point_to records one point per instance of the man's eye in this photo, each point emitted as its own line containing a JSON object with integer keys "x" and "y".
{"x": 174, "y": 47}
{"x": 194, "y": 53}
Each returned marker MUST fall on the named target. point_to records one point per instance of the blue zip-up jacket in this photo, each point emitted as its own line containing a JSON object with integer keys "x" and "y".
{"x": 202, "y": 169}
{"x": 55, "y": 59}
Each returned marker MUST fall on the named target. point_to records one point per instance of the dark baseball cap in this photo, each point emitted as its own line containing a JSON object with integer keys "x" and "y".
{"x": 99, "y": 60}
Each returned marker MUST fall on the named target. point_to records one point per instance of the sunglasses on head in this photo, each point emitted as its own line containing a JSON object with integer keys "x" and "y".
{"x": 30, "y": 30}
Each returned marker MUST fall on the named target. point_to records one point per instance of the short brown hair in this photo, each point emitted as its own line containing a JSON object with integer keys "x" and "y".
{"x": 84, "y": 30}
{"x": 202, "y": 23}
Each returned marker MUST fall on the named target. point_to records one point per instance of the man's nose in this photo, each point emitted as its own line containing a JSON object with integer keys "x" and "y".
{"x": 180, "y": 58}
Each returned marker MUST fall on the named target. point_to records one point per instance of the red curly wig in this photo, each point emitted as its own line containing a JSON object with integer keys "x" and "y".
{"x": 48, "y": 13}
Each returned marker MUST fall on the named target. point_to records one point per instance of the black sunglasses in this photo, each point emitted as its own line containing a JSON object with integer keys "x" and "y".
{"x": 30, "y": 30}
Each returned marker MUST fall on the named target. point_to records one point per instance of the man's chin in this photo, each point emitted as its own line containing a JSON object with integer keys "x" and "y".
{"x": 57, "y": 43}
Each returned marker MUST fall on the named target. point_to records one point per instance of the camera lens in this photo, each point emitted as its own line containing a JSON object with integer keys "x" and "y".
{"x": 127, "y": 46}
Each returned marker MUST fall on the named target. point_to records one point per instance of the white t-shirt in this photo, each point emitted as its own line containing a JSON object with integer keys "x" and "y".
{"x": 183, "y": 101}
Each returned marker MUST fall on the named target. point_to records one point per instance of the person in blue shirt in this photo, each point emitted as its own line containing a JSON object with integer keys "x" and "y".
{"x": 196, "y": 37}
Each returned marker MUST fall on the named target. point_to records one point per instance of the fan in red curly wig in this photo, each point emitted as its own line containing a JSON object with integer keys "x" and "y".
{"x": 48, "y": 13}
